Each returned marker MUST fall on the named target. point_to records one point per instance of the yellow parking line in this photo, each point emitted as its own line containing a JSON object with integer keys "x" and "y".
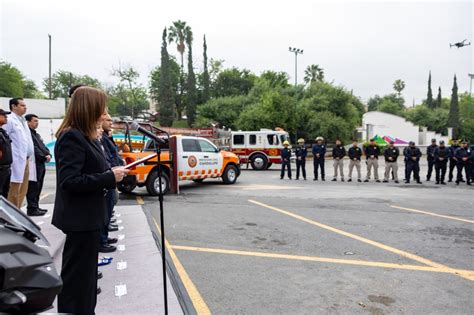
{"x": 433, "y": 214}
{"x": 322, "y": 259}
{"x": 140, "y": 200}
{"x": 44, "y": 196}
{"x": 198, "y": 302}
{"x": 365, "y": 240}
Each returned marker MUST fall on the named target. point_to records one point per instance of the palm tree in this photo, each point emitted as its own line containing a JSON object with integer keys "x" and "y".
{"x": 177, "y": 34}
{"x": 398, "y": 86}
{"x": 313, "y": 73}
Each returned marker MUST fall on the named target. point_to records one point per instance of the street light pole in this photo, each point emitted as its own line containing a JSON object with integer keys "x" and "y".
{"x": 471, "y": 75}
{"x": 49, "y": 80}
{"x": 297, "y": 52}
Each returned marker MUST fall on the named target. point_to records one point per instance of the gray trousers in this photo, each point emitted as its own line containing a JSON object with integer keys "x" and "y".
{"x": 355, "y": 163}
{"x": 373, "y": 163}
{"x": 339, "y": 164}
{"x": 391, "y": 166}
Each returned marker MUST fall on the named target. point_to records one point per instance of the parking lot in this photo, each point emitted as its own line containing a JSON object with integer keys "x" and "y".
{"x": 269, "y": 246}
{"x": 266, "y": 246}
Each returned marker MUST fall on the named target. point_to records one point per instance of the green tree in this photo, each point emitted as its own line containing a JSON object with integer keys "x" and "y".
{"x": 222, "y": 110}
{"x": 275, "y": 79}
{"x": 373, "y": 103}
{"x": 121, "y": 99}
{"x": 429, "y": 99}
{"x": 313, "y": 73}
{"x": 175, "y": 77}
{"x": 165, "y": 91}
{"x": 466, "y": 110}
{"x": 191, "y": 83}
{"x": 128, "y": 77}
{"x": 439, "y": 99}
{"x": 453, "y": 120}
{"x": 62, "y": 80}
{"x": 233, "y": 82}
{"x": 14, "y": 84}
{"x": 398, "y": 86}
{"x": 205, "y": 75}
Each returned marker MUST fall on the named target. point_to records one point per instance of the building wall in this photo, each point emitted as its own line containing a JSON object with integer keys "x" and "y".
{"x": 41, "y": 108}
{"x": 384, "y": 124}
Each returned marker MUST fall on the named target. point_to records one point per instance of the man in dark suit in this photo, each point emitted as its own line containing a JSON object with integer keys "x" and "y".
{"x": 42, "y": 156}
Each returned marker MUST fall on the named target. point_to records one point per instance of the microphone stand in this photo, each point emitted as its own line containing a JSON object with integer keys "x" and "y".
{"x": 162, "y": 226}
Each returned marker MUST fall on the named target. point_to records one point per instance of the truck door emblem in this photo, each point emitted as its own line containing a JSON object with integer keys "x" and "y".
{"x": 192, "y": 161}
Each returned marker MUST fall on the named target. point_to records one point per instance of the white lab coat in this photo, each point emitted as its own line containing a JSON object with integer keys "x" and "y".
{"x": 20, "y": 134}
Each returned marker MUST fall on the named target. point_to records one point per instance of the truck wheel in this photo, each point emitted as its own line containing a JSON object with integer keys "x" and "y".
{"x": 259, "y": 162}
{"x": 126, "y": 188}
{"x": 230, "y": 174}
{"x": 153, "y": 183}
{"x": 269, "y": 165}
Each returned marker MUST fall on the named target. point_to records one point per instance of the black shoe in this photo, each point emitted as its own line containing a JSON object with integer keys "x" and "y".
{"x": 289, "y": 178}
{"x": 107, "y": 248}
{"x": 99, "y": 275}
{"x": 419, "y": 182}
{"x": 396, "y": 182}
{"x": 43, "y": 210}
{"x": 281, "y": 177}
{"x": 112, "y": 228}
{"x": 35, "y": 213}
{"x": 457, "y": 183}
{"x": 407, "y": 182}
{"x": 315, "y": 179}
{"x": 297, "y": 178}
{"x": 366, "y": 181}
{"x": 323, "y": 180}
{"x": 463, "y": 181}
{"x": 305, "y": 178}
{"x": 349, "y": 180}
{"x": 385, "y": 181}
{"x": 377, "y": 181}
{"x": 342, "y": 179}
{"x": 469, "y": 183}
{"x": 443, "y": 183}
{"x": 359, "y": 180}
{"x": 450, "y": 181}
{"x": 99, "y": 290}
{"x": 334, "y": 180}
{"x": 113, "y": 220}
{"x": 437, "y": 182}
{"x": 427, "y": 179}
{"x": 111, "y": 240}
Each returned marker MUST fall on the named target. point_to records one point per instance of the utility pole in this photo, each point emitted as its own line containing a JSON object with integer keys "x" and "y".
{"x": 49, "y": 81}
{"x": 471, "y": 75}
{"x": 297, "y": 52}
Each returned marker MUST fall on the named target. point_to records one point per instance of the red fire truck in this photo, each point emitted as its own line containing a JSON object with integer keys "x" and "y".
{"x": 260, "y": 149}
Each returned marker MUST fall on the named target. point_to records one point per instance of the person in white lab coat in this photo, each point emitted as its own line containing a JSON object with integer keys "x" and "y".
{"x": 23, "y": 167}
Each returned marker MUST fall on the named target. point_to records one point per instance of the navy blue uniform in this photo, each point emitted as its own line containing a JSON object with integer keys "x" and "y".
{"x": 441, "y": 157}
{"x": 452, "y": 161}
{"x": 5, "y": 162}
{"x": 319, "y": 151}
{"x": 463, "y": 156}
{"x": 413, "y": 156}
{"x": 301, "y": 152}
{"x": 431, "y": 159}
{"x": 285, "y": 162}
{"x": 405, "y": 160}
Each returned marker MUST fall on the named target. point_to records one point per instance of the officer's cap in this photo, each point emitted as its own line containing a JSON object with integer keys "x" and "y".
{"x": 319, "y": 138}
{"x": 2, "y": 112}
{"x": 441, "y": 142}
{"x": 433, "y": 140}
{"x": 286, "y": 143}
{"x": 464, "y": 142}
{"x": 411, "y": 143}
{"x": 300, "y": 140}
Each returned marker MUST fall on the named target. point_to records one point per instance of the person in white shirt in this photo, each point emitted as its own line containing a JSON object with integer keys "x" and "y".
{"x": 23, "y": 167}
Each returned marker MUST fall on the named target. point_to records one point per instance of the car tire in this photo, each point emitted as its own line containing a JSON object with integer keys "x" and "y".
{"x": 259, "y": 162}
{"x": 230, "y": 174}
{"x": 152, "y": 183}
{"x": 199, "y": 180}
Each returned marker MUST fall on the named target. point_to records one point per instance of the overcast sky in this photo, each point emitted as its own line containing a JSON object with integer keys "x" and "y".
{"x": 362, "y": 45}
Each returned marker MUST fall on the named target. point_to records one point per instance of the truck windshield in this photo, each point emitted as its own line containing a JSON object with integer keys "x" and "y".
{"x": 284, "y": 138}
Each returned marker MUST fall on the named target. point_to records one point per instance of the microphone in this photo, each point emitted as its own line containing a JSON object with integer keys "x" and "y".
{"x": 135, "y": 126}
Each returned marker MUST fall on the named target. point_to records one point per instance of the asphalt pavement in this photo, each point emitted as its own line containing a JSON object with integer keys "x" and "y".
{"x": 271, "y": 246}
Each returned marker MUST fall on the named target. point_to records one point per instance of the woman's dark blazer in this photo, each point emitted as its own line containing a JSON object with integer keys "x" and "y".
{"x": 82, "y": 178}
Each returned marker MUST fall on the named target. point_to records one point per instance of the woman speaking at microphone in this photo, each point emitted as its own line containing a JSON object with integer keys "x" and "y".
{"x": 80, "y": 206}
